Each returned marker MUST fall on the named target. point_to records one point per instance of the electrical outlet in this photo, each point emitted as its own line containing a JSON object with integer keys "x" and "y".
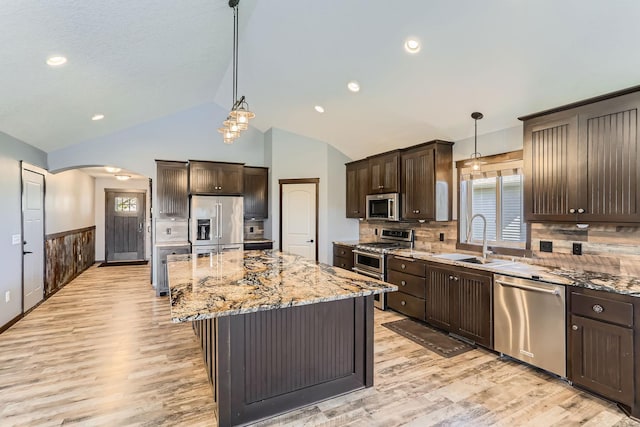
{"x": 546, "y": 246}
{"x": 7, "y": 296}
{"x": 250, "y": 229}
{"x": 375, "y": 231}
{"x": 442, "y": 237}
{"x": 15, "y": 239}
{"x": 577, "y": 249}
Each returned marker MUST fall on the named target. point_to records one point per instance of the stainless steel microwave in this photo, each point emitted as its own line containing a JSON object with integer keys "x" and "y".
{"x": 383, "y": 206}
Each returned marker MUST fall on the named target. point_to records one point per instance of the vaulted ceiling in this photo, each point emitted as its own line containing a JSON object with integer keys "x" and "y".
{"x": 136, "y": 61}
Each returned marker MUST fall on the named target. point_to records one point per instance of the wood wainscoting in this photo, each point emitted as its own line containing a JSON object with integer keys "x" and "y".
{"x": 67, "y": 254}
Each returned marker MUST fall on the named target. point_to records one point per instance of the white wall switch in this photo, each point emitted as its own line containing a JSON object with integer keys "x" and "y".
{"x": 7, "y": 296}
{"x": 15, "y": 239}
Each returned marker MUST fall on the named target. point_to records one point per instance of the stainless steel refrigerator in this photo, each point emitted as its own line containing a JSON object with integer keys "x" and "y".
{"x": 217, "y": 224}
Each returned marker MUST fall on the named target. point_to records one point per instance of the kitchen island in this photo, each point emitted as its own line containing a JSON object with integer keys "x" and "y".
{"x": 277, "y": 331}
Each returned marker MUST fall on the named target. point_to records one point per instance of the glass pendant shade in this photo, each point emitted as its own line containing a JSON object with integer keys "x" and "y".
{"x": 228, "y": 133}
{"x": 231, "y": 124}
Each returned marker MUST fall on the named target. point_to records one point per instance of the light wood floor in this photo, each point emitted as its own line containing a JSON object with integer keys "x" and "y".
{"x": 103, "y": 352}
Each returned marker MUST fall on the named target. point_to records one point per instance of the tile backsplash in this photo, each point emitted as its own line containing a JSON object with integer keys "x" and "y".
{"x": 606, "y": 248}
{"x": 253, "y": 229}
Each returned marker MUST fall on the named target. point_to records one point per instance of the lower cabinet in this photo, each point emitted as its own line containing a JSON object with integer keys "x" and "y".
{"x": 409, "y": 275}
{"x": 602, "y": 348}
{"x": 162, "y": 287}
{"x": 459, "y": 300}
{"x": 343, "y": 256}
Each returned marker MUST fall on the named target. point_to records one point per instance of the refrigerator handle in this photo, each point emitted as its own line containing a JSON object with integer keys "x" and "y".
{"x": 219, "y": 207}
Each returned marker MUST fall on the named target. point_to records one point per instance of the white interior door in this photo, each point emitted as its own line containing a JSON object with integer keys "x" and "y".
{"x": 299, "y": 219}
{"x": 33, "y": 238}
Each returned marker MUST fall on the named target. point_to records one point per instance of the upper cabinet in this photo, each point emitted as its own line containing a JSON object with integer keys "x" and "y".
{"x": 357, "y": 188}
{"x": 384, "y": 173}
{"x": 215, "y": 178}
{"x": 256, "y": 185}
{"x": 172, "y": 190}
{"x": 427, "y": 172}
{"x": 581, "y": 161}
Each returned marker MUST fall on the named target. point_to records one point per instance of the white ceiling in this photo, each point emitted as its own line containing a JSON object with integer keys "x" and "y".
{"x": 139, "y": 60}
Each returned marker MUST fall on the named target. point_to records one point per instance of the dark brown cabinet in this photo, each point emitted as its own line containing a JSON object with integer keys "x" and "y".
{"x": 384, "y": 173}
{"x": 343, "y": 256}
{"x": 459, "y": 300}
{"x": 357, "y": 188}
{"x": 257, "y": 246}
{"x": 256, "y": 194}
{"x": 215, "y": 178}
{"x": 581, "y": 162}
{"x": 409, "y": 275}
{"x": 602, "y": 348}
{"x": 172, "y": 190}
{"x": 426, "y": 181}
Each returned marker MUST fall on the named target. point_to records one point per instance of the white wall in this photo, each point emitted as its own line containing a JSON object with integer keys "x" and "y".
{"x": 12, "y": 151}
{"x": 295, "y": 156}
{"x": 69, "y": 202}
{"x": 100, "y": 185}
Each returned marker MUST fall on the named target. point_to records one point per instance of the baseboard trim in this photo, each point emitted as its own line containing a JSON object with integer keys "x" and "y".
{"x": 10, "y": 323}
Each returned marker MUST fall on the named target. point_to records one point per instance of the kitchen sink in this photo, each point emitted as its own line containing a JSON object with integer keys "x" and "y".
{"x": 466, "y": 258}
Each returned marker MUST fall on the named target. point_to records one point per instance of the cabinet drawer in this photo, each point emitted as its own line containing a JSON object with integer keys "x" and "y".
{"x": 618, "y": 312}
{"x": 407, "y": 265}
{"x": 343, "y": 262}
{"x": 408, "y": 283}
{"x": 342, "y": 251}
{"x": 406, "y": 304}
{"x": 258, "y": 246}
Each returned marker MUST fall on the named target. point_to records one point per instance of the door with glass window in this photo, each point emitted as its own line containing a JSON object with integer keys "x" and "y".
{"x": 124, "y": 225}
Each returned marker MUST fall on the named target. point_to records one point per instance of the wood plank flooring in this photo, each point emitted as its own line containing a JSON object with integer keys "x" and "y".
{"x": 102, "y": 352}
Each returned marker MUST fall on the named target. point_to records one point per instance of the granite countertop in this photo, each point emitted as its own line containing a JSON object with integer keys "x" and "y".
{"x": 171, "y": 244}
{"x": 258, "y": 241}
{"x": 619, "y": 284}
{"x": 351, "y": 243}
{"x": 248, "y": 281}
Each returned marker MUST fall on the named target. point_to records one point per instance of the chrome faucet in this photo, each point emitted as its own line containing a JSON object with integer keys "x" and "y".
{"x": 485, "y": 252}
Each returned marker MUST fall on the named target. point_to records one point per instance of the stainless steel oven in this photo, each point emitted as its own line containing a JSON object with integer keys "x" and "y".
{"x": 372, "y": 265}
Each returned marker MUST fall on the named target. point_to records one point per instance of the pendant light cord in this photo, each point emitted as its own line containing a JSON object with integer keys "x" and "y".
{"x": 235, "y": 55}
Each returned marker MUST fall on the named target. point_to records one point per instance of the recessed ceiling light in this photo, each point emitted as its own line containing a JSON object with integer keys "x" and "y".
{"x": 353, "y": 86}
{"x": 122, "y": 177}
{"x": 412, "y": 45}
{"x": 56, "y": 61}
{"x": 112, "y": 169}
{"x": 97, "y": 117}
{"x": 319, "y": 108}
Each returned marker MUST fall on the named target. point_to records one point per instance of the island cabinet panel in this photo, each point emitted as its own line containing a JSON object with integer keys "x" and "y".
{"x": 459, "y": 300}
{"x": 256, "y": 194}
{"x": 343, "y": 256}
{"x": 384, "y": 173}
{"x": 172, "y": 190}
{"x": 357, "y": 188}
{"x": 273, "y": 361}
{"x": 582, "y": 163}
{"x": 603, "y": 345}
{"x": 216, "y": 178}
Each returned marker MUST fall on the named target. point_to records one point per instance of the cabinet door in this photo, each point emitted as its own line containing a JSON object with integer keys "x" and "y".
{"x": 230, "y": 179}
{"x": 256, "y": 195}
{"x": 550, "y": 163}
{"x": 609, "y": 158}
{"x": 438, "y": 305}
{"x": 357, "y": 187}
{"x": 172, "y": 190}
{"x": 384, "y": 173}
{"x": 418, "y": 184}
{"x": 472, "y": 301}
{"x": 203, "y": 177}
{"x": 602, "y": 358}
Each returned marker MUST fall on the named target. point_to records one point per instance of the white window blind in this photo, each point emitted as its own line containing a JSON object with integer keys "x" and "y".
{"x": 496, "y": 192}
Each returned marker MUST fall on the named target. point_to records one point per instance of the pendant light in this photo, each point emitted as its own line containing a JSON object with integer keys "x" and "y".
{"x": 239, "y": 116}
{"x": 475, "y": 161}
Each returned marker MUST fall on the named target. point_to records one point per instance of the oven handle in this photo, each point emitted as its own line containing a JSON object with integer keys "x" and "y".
{"x": 372, "y": 255}
{"x": 367, "y": 273}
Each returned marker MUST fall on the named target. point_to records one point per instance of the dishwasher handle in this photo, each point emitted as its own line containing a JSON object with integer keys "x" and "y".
{"x": 553, "y": 291}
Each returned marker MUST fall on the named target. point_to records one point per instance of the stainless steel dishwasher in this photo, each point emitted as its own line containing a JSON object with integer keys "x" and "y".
{"x": 530, "y": 322}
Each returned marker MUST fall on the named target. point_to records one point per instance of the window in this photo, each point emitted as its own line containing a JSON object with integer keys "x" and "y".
{"x": 496, "y": 193}
{"x": 126, "y": 204}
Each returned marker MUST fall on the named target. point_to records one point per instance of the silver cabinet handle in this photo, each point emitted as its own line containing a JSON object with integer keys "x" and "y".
{"x": 402, "y": 266}
{"x": 580, "y": 210}
{"x": 456, "y": 278}
{"x": 450, "y": 277}
{"x": 403, "y": 303}
{"x": 574, "y": 327}
{"x": 403, "y": 283}
{"x": 553, "y": 291}
{"x": 597, "y": 308}
{"x": 572, "y": 210}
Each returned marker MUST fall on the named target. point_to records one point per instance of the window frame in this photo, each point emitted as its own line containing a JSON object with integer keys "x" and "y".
{"x": 501, "y": 250}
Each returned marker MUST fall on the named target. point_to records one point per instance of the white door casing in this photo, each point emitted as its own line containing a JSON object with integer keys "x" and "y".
{"x": 299, "y": 219}
{"x": 33, "y": 238}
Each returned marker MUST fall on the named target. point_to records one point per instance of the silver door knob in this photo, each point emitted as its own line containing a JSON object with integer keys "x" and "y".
{"x": 402, "y": 266}
{"x": 597, "y": 308}
{"x": 574, "y": 327}
{"x": 403, "y": 303}
{"x": 450, "y": 277}
{"x": 580, "y": 210}
{"x": 572, "y": 210}
{"x": 403, "y": 283}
